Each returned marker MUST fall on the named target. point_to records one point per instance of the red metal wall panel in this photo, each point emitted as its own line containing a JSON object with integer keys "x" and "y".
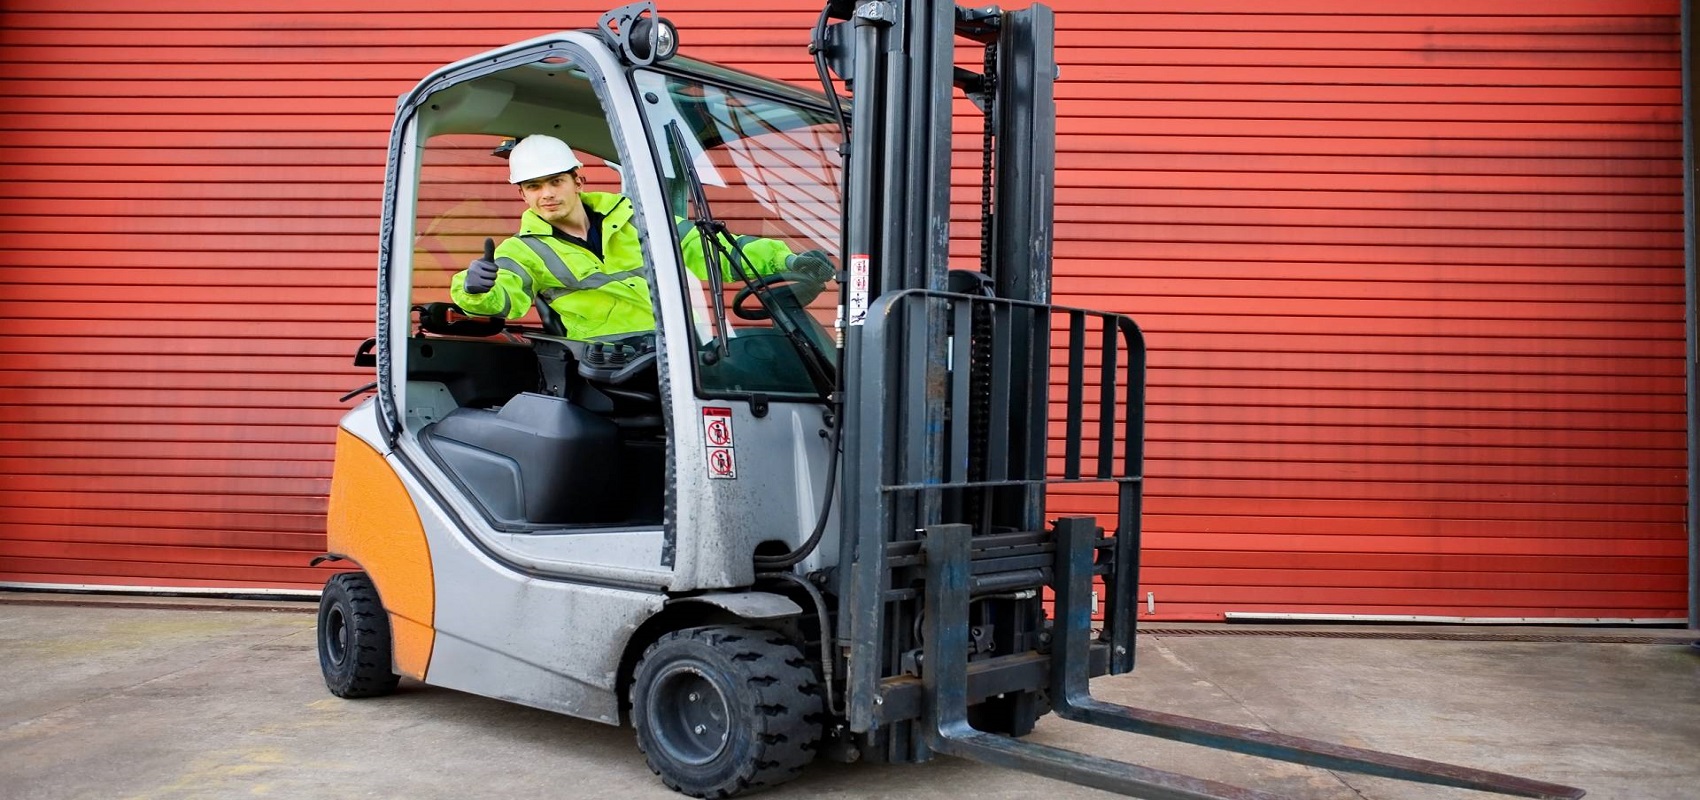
{"x": 1411, "y": 274}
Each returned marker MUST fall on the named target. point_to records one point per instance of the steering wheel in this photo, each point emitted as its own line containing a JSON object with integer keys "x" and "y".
{"x": 748, "y": 290}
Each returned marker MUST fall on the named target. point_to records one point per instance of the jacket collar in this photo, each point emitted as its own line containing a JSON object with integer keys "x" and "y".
{"x": 615, "y": 209}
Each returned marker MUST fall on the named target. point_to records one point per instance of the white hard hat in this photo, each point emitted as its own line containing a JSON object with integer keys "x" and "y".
{"x": 540, "y": 156}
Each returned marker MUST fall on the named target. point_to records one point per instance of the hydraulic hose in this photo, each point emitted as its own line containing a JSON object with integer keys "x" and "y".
{"x": 817, "y": 48}
{"x": 795, "y": 557}
{"x": 825, "y": 639}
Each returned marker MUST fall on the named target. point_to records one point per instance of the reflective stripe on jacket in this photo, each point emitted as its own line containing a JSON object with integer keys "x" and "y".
{"x": 593, "y": 298}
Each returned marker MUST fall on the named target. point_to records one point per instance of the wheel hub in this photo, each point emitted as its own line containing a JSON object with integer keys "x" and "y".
{"x": 689, "y": 715}
{"x": 336, "y": 635}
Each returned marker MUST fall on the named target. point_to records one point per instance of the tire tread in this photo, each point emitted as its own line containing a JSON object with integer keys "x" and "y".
{"x": 370, "y": 647}
{"x": 788, "y": 694}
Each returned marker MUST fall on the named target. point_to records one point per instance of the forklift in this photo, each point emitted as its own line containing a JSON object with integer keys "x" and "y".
{"x": 771, "y": 529}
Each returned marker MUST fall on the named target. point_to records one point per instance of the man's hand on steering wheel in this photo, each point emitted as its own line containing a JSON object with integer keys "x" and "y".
{"x": 815, "y": 265}
{"x": 804, "y": 278}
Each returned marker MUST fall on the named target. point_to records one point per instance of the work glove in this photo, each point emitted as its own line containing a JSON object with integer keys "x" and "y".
{"x": 815, "y": 265}
{"x": 481, "y": 274}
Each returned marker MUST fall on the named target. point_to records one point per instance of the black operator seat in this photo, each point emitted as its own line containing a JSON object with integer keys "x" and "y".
{"x": 539, "y": 459}
{"x": 570, "y": 453}
{"x": 527, "y": 457}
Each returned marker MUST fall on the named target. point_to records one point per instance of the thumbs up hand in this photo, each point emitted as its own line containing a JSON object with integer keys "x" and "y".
{"x": 481, "y": 274}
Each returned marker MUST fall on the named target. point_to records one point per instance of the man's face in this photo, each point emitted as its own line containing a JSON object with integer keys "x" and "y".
{"x": 553, "y": 197}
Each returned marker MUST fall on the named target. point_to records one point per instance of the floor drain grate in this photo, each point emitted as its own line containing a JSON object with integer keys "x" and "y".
{"x": 1579, "y": 637}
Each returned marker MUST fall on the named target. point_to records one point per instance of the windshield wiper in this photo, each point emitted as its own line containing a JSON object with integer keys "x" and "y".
{"x": 708, "y": 232}
{"x": 714, "y": 237}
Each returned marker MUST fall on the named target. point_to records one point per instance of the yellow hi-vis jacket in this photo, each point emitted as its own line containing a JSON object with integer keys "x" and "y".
{"x": 595, "y": 298}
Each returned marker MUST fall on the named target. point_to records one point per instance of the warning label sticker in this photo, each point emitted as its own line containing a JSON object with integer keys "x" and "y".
{"x": 717, "y": 440}
{"x": 722, "y": 464}
{"x": 717, "y": 426}
{"x": 857, "y": 307}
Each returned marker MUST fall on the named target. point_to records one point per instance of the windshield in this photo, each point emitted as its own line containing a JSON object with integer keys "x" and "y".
{"x": 769, "y": 172}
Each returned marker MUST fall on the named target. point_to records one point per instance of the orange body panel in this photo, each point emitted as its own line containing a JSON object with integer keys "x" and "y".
{"x": 372, "y": 521}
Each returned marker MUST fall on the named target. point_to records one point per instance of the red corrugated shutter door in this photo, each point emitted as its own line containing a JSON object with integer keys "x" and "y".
{"x": 1411, "y": 275}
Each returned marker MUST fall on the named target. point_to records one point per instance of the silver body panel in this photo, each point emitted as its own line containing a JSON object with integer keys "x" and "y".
{"x": 780, "y": 459}
{"x": 501, "y": 633}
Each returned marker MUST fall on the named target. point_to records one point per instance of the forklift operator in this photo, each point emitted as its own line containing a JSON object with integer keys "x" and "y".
{"x": 578, "y": 253}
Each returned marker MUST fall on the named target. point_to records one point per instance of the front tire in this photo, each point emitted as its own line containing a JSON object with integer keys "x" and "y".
{"x": 354, "y": 638}
{"x": 720, "y": 711}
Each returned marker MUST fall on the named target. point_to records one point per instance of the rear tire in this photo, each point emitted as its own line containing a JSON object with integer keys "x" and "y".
{"x": 354, "y": 638}
{"x": 720, "y": 711}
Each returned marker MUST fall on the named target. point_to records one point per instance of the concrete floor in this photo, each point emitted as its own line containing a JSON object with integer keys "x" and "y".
{"x": 135, "y": 702}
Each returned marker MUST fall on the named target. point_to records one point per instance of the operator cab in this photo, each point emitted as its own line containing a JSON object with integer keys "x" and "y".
{"x": 542, "y": 431}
